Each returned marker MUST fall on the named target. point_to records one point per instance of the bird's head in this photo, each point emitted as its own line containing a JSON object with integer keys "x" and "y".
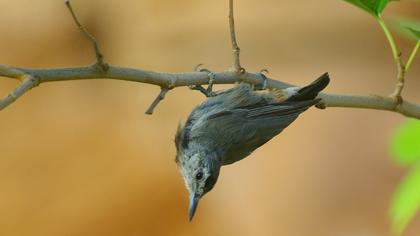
{"x": 200, "y": 172}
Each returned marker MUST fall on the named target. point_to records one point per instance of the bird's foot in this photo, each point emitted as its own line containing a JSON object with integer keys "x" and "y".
{"x": 208, "y": 92}
{"x": 263, "y": 85}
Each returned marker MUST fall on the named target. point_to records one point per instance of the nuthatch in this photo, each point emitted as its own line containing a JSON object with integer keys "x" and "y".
{"x": 230, "y": 125}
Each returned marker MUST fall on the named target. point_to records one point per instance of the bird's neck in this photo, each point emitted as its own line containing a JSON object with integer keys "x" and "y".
{"x": 214, "y": 160}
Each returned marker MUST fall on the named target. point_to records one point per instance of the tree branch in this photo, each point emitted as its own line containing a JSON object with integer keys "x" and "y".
{"x": 376, "y": 102}
{"x": 172, "y": 80}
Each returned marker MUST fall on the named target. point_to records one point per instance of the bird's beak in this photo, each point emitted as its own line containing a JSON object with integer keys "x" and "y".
{"x": 193, "y": 205}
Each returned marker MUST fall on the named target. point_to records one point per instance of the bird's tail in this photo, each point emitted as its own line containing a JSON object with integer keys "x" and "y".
{"x": 310, "y": 91}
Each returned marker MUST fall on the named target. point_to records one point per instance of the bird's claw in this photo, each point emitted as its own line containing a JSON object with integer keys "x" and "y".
{"x": 208, "y": 92}
{"x": 264, "y": 78}
{"x": 198, "y": 88}
{"x": 212, "y": 78}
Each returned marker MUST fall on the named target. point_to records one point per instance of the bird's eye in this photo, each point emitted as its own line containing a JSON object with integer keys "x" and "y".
{"x": 199, "y": 176}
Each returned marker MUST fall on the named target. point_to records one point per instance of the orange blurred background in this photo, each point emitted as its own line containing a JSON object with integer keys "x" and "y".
{"x": 81, "y": 158}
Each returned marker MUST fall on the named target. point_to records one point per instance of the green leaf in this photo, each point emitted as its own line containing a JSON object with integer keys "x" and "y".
{"x": 406, "y": 201}
{"x": 405, "y": 145}
{"x": 373, "y": 7}
{"x": 416, "y": 32}
{"x": 408, "y": 26}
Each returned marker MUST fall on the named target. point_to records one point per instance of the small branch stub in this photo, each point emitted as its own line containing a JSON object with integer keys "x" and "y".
{"x": 27, "y": 84}
{"x": 158, "y": 99}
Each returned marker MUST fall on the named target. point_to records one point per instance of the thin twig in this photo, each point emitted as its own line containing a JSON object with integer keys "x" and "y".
{"x": 11, "y": 72}
{"x": 396, "y": 95}
{"x": 99, "y": 56}
{"x": 27, "y": 83}
{"x": 157, "y": 100}
{"x": 400, "y": 81}
{"x": 236, "y": 50}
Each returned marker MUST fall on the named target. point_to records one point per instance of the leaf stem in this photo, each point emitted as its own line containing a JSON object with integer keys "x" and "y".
{"x": 390, "y": 38}
{"x": 412, "y": 55}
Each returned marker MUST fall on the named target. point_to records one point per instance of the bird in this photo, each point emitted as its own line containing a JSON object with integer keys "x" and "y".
{"x": 230, "y": 125}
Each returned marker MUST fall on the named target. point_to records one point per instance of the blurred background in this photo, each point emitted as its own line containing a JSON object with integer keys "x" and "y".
{"x": 81, "y": 158}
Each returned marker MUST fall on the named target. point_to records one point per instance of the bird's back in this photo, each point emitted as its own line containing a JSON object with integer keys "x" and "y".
{"x": 239, "y": 120}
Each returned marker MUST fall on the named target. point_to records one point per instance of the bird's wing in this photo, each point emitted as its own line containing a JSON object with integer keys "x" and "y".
{"x": 242, "y": 130}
